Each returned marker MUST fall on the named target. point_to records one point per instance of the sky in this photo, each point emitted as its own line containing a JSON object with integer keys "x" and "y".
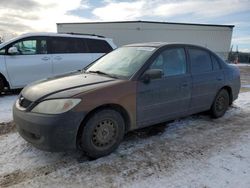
{"x": 22, "y": 16}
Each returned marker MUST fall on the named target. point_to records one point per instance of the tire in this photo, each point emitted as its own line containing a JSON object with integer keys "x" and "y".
{"x": 1, "y": 85}
{"x": 220, "y": 104}
{"x": 102, "y": 133}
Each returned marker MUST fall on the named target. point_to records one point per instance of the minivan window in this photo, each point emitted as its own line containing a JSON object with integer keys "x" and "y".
{"x": 2, "y": 51}
{"x": 26, "y": 47}
{"x": 61, "y": 45}
{"x": 30, "y": 46}
{"x": 200, "y": 61}
{"x": 171, "y": 62}
{"x": 98, "y": 46}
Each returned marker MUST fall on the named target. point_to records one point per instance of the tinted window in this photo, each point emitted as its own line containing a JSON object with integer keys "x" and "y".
{"x": 67, "y": 45}
{"x": 98, "y": 46}
{"x": 216, "y": 63}
{"x": 200, "y": 61}
{"x": 172, "y": 62}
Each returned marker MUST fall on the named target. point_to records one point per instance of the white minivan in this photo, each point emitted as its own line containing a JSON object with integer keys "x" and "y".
{"x": 35, "y": 56}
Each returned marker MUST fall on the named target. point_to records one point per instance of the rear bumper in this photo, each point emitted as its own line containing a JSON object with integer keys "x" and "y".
{"x": 48, "y": 132}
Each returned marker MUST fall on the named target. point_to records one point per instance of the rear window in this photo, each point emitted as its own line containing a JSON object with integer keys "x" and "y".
{"x": 67, "y": 45}
{"x": 216, "y": 63}
{"x": 200, "y": 61}
{"x": 98, "y": 46}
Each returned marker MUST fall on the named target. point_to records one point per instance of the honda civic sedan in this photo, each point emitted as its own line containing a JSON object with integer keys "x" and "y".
{"x": 130, "y": 88}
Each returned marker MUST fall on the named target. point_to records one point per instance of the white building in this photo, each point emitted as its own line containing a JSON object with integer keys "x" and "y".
{"x": 215, "y": 37}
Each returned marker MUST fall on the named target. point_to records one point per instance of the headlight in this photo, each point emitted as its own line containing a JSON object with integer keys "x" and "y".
{"x": 55, "y": 106}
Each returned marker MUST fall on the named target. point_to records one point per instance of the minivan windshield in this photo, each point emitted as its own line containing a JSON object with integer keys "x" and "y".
{"x": 122, "y": 62}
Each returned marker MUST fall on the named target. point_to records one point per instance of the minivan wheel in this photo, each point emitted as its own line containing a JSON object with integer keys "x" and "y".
{"x": 220, "y": 104}
{"x": 102, "y": 133}
{"x": 1, "y": 85}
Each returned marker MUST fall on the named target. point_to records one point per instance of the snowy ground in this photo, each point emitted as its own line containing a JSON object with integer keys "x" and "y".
{"x": 195, "y": 151}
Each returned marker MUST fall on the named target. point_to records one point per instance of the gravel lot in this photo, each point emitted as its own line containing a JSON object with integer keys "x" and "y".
{"x": 195, "y": 151}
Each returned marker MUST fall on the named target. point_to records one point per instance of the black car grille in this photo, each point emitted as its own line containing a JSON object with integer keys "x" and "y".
{"x": 25, "y": 103}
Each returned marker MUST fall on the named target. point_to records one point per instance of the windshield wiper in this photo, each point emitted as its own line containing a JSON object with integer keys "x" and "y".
{"x": 103, "y": 73}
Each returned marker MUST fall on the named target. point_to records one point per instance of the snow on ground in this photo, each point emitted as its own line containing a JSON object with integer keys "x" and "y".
{"x": 195, "y": 151}
{"x": 242, "y": 64}
{"x": 6, "y": 103}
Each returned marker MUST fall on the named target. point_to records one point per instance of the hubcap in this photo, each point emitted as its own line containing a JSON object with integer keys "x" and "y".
{"x": 220, "y": 103}
{"x": 104, "y": 133}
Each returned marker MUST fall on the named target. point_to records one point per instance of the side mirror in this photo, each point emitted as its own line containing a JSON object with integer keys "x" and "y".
{"x": 13, "y": 50}
{"x": 152, "y": 74}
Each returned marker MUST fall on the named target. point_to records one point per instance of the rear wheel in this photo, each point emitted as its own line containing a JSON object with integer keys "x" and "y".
{"x": 220, "y": 104}
{"x": 102, "y": 133}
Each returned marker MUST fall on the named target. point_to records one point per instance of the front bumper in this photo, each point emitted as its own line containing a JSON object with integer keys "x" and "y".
{"x": 49, "y": 132}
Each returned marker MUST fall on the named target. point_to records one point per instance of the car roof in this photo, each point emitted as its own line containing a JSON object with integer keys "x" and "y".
{"x": 79, "y": 35}
{"x": 47, "y": 34}
{"x": 161, "y": 44}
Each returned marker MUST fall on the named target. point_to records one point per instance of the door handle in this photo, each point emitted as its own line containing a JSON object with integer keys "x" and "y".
{"x": 183, "y": 85}
{"x": 58, "y": 58}
{"x": 45, "y": 58}
{"x": 219, "y": 78}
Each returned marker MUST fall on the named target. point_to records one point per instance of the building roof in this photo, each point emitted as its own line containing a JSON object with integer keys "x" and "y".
{"x": 152, "y": 22}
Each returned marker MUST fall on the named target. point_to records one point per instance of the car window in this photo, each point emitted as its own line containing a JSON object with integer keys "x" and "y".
{"x": 216, "y": 64}
{"x": 26, "y": 47}
{"x": 122, "y": 62}
{"x": 171, "y": 62}
{"x": 200, "y": 61}
{"x": 98, "y": 46}
{"x": 2, "y": 51}
{"x": 31, "y": 46}
{"x": 67, "y": 45}
{"x": 43, "y": 47}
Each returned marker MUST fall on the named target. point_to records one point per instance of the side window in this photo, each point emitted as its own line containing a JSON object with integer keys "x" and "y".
{"x": 98, "y": 46}
{"x": 26, "y": 47}
{"x": 61, "y": 45}
{"x": 200, "y": 61}
{"x": 2, "y": 51}
{"x": 171, "y": 61}
{"x": 43, "y": 47}
{"x": 31, "y": 46}
{"x": 216, "y": 64}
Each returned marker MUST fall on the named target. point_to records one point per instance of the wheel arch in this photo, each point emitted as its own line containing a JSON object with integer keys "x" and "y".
{"x": 230, "y": 92}
{"x": 112, "y": 106}
{"x": 6, "y": 83}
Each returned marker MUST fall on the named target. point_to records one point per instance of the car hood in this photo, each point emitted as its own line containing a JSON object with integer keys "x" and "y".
{"x": 51, "y": 86}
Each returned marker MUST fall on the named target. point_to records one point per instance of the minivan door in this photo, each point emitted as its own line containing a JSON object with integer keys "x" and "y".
{"x": 69, "y": 54}
{"x": 168, "y": 97}
{"x": 31, "y": 63}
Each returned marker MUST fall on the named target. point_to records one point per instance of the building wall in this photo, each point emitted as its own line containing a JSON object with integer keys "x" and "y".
{"x": 216, "y": 38}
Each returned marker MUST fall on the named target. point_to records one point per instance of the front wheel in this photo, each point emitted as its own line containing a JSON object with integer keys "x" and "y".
{"x": 220, "y": 104}
{"x": 102, "y": 133}
{"x": 1, "y": 85}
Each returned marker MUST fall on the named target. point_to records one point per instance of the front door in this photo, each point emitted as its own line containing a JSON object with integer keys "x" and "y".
{"x": 167, "y": 97}
{"x": 30, "y": 64}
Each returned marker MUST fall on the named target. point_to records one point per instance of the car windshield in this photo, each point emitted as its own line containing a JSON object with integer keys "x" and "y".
{"x": 122, "y": 62}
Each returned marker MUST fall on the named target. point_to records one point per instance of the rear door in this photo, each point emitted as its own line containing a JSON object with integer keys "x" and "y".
{"x": 168, "y": 97}
{"x": 207, "y": 78}
{"x": 31, "y": 63}
{"x": 69, "y": 54}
